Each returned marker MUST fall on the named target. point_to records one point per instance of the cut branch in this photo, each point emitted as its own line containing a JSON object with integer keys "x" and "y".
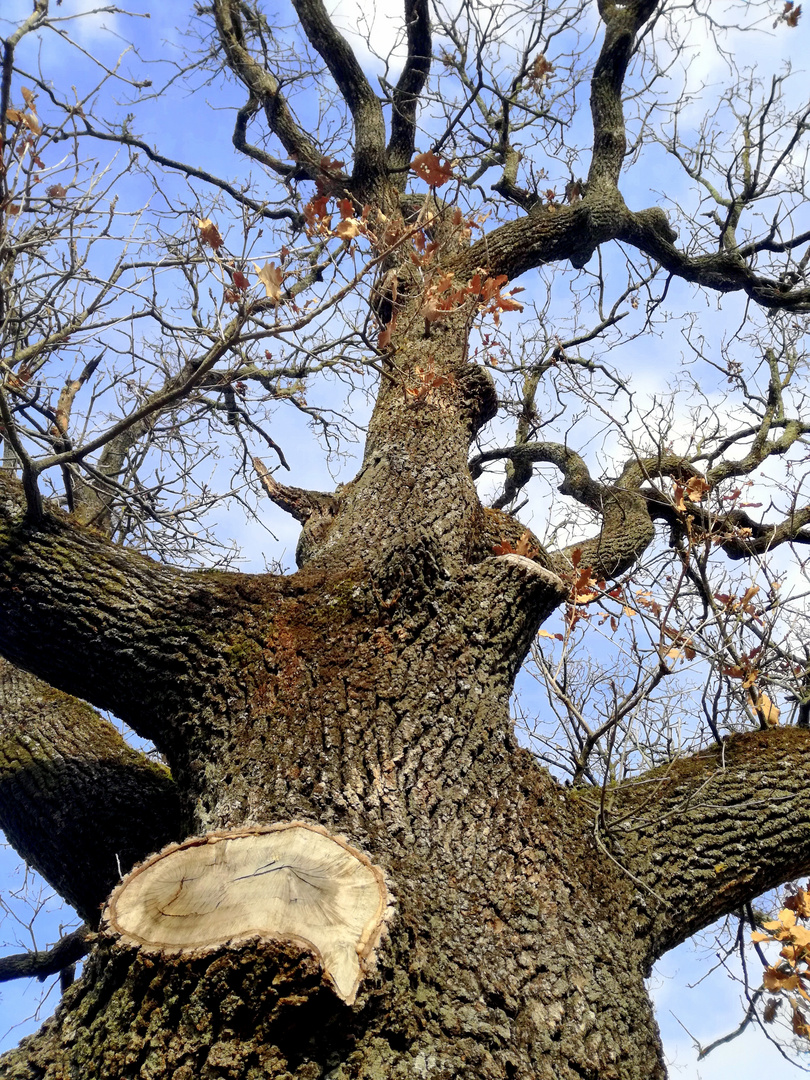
{"x": 291, "y": 882}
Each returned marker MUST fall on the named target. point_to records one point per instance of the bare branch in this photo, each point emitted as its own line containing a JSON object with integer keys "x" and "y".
{"x": 39, "y": 965}
{"x": 407, "y": 92}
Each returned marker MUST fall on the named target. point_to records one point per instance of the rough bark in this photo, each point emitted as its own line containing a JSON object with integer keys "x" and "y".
{"x": 368, "y": 693}
{"x": 76, "y": 802}
{"x": 678, "y": 832}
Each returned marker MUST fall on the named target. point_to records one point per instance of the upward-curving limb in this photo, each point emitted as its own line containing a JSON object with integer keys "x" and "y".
{"x": 406, "y": 94}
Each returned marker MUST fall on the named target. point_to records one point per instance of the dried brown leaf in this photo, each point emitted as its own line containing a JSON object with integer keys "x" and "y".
{"x": 209, "y": 233}
{"x": 525, "y": 546}
{"x": 429, "y": 168}
{"x": 348, "y": 228}
{"x": 767, "y": 710}
{"x": 384, "y": 340}
{"x": 800, "y": 903}
{"x": 774, "y": 979}
{"x": 271, "y": 276}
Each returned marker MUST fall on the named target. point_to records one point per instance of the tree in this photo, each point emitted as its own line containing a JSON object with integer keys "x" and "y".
{"x": 382, "y": 880}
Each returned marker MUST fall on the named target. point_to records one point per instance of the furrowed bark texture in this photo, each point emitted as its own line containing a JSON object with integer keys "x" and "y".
{"x": 76, "y": 802}
{"x": 684, "y": 850}
{"x": 367, "y": 693}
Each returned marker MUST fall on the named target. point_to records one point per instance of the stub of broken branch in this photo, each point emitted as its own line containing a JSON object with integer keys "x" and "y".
{"x": 297, "y": 502}
{"x": 291, "y": 882}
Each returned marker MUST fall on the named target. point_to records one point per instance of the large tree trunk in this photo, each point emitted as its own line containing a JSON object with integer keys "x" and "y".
{"x": 368, "y": 694}
{"x": 509, "y": 953}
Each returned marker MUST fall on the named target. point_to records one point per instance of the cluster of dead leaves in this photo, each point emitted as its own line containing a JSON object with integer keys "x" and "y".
{"x": 25, "y": 119}
{"x": 733, "y": 497}
{"x": 789, "y": 15}
{"x": 318, "y": 216}
{"x": 523, "y": 547}
{"x": 320, "y": 210}
{"x": 28, "y": 127}
{"x": 444, "y": 294}
{"x": 747, "y": 670}
{"x": 425, "y": 246}
{"x": 686, "y": 496}
{"x": 740, "y": 603}
{"x": 694, "y": 490}
{"x": 585, "y": 589}
{"x": 792, "y": 972}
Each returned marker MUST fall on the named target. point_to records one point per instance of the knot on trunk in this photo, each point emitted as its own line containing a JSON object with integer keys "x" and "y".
{"x": 480, "y": 400}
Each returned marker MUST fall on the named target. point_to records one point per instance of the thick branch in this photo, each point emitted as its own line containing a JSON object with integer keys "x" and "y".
{"x": 736, "y": 533}
{"x": 508, "y": 597}
{"x": 558, "y": 233}
{"x": 369, "y": 128}
{"x": 100, "y": 622}
{"x": 76, "y": 802}
{"x": 709, "y": 832}
{"x": 627, "y": 527}
{"x": 722, "y": 271}
{"x": 298, "y": 502}
{"x": 609, "y": 140}
{"x": 313, "y": 509}
{"x": 263, "y": 86}
{"x": 409, "y": 86}
{"x": 574, "y": 232}
{"x": 45, "y": 962}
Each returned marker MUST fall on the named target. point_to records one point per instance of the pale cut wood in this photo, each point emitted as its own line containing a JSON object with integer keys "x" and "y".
{"x": 290, "y": 881}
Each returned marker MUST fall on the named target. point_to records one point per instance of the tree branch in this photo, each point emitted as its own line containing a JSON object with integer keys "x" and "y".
{"x": 262, "y": 209}
{"x": 622, "y": 23}
{"x": 408, "y": 89}
{"x": 627, "y": 528}
{"x": 264, "y": 87}
{"x": 76, "y": 802}
{"x": 707, "y": 832}
{"x": 365, "y": 107}
{"x": 721, "y": 271}
{"x": 41, "y": 964}
{"x": 96, "y": 620}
